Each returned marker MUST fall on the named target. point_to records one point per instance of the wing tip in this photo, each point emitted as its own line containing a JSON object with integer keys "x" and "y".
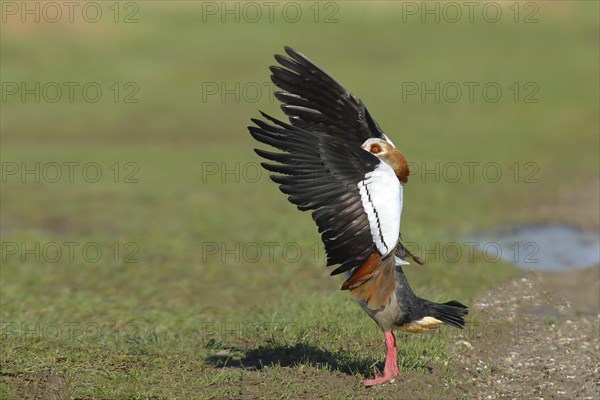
{"x": 289, "y": 49}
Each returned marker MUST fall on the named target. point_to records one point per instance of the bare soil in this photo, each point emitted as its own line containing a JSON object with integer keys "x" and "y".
{"x": 541, "y": 339}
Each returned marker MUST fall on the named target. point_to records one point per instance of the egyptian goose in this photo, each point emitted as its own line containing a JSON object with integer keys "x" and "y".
{"x": 337, "y": 162}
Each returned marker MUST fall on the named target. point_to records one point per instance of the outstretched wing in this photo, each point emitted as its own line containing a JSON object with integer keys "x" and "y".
{"x": 315, "y": 101}
{"x": 356, "y": 198}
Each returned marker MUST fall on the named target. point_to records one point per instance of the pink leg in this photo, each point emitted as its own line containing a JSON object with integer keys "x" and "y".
{"x": 391, "y": 364}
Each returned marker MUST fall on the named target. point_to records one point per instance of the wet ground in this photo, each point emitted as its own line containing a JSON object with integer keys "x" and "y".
{"x": 546, "y": 247}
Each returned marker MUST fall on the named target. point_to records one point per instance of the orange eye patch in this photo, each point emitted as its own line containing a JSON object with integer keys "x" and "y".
{"x": 375, "y": 149}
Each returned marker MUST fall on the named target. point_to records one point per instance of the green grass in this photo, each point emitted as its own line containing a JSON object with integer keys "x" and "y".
{"x": 181, "y": 323}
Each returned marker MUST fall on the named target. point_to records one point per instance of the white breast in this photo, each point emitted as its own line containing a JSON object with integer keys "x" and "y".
{"x": 381, "y": 196}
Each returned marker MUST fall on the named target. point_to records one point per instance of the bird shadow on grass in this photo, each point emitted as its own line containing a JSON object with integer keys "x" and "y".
{"x": 299, "y": 354}
{"x": 295, "y": 355}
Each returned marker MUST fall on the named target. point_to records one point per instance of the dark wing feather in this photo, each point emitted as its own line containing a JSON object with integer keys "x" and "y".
{"x": 319, "y": 172}
{"x": 315, "y": 101}
{"x": 402, "y": 252}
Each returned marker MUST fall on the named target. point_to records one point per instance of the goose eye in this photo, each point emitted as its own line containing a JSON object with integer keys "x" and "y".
{"x": 375, "y": 149}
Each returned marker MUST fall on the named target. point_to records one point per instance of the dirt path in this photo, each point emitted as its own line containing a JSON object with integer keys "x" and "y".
{"x": 541, "y": 339}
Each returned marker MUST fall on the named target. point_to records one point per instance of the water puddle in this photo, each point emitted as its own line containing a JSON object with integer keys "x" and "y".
{"x": 546, "y": 247}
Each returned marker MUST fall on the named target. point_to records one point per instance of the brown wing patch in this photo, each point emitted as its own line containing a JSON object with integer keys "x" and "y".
{"x": 364, "y": 272}
{"x": 373, "y": 283}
